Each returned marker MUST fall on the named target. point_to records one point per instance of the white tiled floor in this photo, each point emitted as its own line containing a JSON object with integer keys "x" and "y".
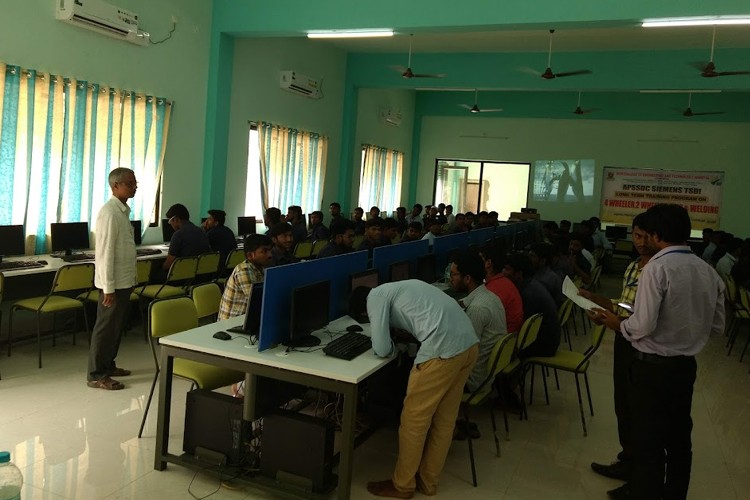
{"x": 73, "y": 442}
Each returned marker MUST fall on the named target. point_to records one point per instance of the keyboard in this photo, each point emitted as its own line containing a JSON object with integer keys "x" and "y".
{"x": 142, "y": 252}
{"x": 348, "y": 346}
{"x": 76, "y": 257}
{"x": 19, "y": 264}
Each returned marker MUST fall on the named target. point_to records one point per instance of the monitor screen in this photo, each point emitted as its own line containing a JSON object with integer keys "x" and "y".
{"x": 367, "y": 278}
{"x": 245, "y": 225}
{"x": 426, "y": 268}
{"x": 310, "y": 305}
{"x": 137, "y": 228}
{"x": 11, "y": 240}
{"x": 616, "y": 232}
{"x": 166, "y": 231}
{"x": 68, "y": 236}
{"x": 252, "y": 315}
{"x": 399, "y": 271}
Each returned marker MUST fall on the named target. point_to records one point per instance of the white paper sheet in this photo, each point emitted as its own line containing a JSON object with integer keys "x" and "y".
{"x": 570, "y": 290}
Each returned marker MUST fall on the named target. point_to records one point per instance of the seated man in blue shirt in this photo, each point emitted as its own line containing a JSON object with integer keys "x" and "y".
{"x": 342, "y": 239}
{"x": 283, "y": 245}
{"x": 445, "y": 359}
{"x": 318, "y": 231}
{"x": 220, "y": 237}
{"x": 188, "y": 239}
{"x": 372, "y": 239}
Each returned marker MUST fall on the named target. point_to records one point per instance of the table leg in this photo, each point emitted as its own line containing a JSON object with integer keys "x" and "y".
{"x": 165, "y": 407}
{"x": 248, "y": 404}
{"x": 347, "y": 442}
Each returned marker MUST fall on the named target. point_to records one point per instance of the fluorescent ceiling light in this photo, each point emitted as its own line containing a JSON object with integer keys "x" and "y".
{"x": 680, "y": 91}
{"x": 350, "y": 34}
{"x": 695, "y": 21}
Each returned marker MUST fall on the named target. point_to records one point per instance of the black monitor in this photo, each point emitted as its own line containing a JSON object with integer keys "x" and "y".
{"x": 399, "y": 271}
{"x": 369, "y": 278}
{"x": 252, "y": 315}
{"x": 310, "y": 305}
{"x": 166, "y": 231}
{"x": 12, "y": 240}
{"x": 426, "y": 265}
{"x": 616, "y": 232}
{"x": 245, "y": 225}
{"x": 136, "y": 231}
{"x": 69, "y": 236}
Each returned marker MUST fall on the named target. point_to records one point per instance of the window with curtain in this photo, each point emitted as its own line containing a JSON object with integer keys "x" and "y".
{"x": 285, "y": 167}
{"x": 59, "y": 139}
{"x": 380, "y": 178}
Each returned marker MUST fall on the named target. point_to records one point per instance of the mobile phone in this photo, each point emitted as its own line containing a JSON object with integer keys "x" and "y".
{"x": 626, "y": 306}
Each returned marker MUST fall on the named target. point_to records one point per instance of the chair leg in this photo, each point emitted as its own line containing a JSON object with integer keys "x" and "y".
{"x": 531, "y": 388}
{"x": 580, "y": 406}
{"x": 148, "y": 403}
{"x": 10, "y": 329}
{"x": 566, "y": 329}
{"x": 39, "y": 335}
{"x": 735, "y": 330}
{"x": 86, "y": 323}
{"x": 546, "y": 393}
{"x": 730, "y": 329}
{"x": 557, "y": 380}
{"x": 524, "y": 409}
{"x": 494, "y": 432}
{"x": 471, "y": 447}
{"x": 501, "y": 390}
{"x": 588, "y": 392}
{"x": 745, "y": 348}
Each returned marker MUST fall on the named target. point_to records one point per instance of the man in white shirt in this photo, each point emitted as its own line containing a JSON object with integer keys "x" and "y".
{"x": 729, "y": 259}
{"x": 115, "y": 277}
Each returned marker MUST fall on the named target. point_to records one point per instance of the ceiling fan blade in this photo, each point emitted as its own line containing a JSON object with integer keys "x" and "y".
{"x": 465, "y": 106}
{"x": 425, "y": 75}
{"x": 573, "y": 73}
{"x": 400, "y": 69}
{"x": 731, "y": 73}
{"x": 704, "y": 113}
{"x": 530, "y": 71}
{"x": 492, "y": 110}
{"x": 581, "y": 111}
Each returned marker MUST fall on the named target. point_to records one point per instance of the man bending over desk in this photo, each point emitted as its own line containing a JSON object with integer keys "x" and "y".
{"x": 445, "y": 359}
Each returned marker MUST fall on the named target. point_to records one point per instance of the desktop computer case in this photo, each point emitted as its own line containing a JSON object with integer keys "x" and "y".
{"x": 213, "y": 421}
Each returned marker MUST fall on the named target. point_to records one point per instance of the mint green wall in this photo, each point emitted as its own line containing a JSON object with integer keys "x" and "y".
{"x": 31, "y": 37}
{"x": 371, "y": 129}
{"x": 256, "y": 96}
{"x": 716, "y": 146}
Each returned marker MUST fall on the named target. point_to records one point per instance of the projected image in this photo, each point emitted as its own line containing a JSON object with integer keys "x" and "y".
{"x": 566, "y": 181}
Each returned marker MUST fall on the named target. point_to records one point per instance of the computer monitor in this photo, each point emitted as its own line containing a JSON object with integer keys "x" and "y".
{"x": 69, "y": 236}
{"x": 310, "y": 305}
{"x": 245, "y": 225}
{"x": 369, "y": 278}
{"x": 616, "y": 232}
{"x": 136, "y": 231}
{"x": 11, "y": 240}
{"x": 166, "y": 231}
{"x": 399, "y": 271}
{"x": 252, "y": 314}
{"x": 426, "y": 265}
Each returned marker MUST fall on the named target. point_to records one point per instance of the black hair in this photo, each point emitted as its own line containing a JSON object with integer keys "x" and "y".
{"x": 496, "y": 255}
{"x": 178, "y": 210}
{"x": 374, "y": 222}
{"x": 520, "y": 262}
{"x": 431, "y": 222}
{"x": 417, "y": 205}
{"x": 470, "y": 264}
{"x": 390, "y": 223}
{"x": 279, "y": 229}
{"x": 668, "y": 221}
{"x": 638, "y": 220}
{"x": 219, "y": 216}
{"x": 255, "y": 241}
{"x": 318, "y": 213}
{"x": 416, "y": 225}
{"x": 543, "y": 251}
{"x": 335, "y": 204}
{"x": 273, "y": 215}
{"x": 340, "y": 226}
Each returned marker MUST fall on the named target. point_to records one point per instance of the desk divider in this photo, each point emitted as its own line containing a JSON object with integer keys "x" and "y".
{"x": 281, "y": 280}
{"x": 383, "y": 257}
{"x": 480, "y": 236}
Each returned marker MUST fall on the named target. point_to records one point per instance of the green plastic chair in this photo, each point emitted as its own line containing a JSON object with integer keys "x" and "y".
{"x": 303, "y": 249}
{"x": 206, "y": 298}
{"x": 173, "y": 315}
{"x": 317, "y": 247}
{"x": 180, "y": 275}
{"x": 207, "y": 268}
{"x": 525, "y": 337}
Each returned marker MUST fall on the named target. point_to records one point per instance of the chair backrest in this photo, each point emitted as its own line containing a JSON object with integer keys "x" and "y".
{"x": 500, "y": 357}
{"x": 71, "y": 277}
{"x": 235, "y": 258}
{"x": 142, "y": 271}
{"x": 206, "y": 298}
{"x": 358, "y": 240}
{"x": 2, "y": 286}
{"x": 208, "y": 263}
{"x": 182, "y": 269}
{"x": 595, "y": 337}
{"x": 318, "y": 246}
{"x": 563, "y": 312}
{"x": 529, "y": 331}
{"x": 744, "y": 297}
{"x": 168, "y": 316}
{"x": 731, "y": 289}
{"x": 303, "y": 249}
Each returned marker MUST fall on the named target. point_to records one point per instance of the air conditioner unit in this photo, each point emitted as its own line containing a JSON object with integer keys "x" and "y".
{"x": 300, "y": 84}
{"x": 103, "y": 18}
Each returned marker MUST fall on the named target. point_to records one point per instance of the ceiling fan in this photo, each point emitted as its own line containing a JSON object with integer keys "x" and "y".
{"x": 549, "y": 74}
{"x": 581, "y": 111}
{"x": 407, "y": 71}
{"x": 688, "y": 112}
{"x": 708, "y": 70}
{"x": 475, "y": 108}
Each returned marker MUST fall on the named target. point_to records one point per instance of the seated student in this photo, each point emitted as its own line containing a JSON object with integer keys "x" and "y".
{"x": 335, "y": 210}
{"x": 188, "y": 239}
{"x": 492, "y": 219}
{"x": 372, "y": 239}
{"x": 413, "y": 232}
{"x": 470, "y": 220}
{"x": 374, "y": 213}
{"x": 497, "y": 283}
{"x": 401, "y": 219}
{"x": 728, "y": 260}
{"x": 549, "y": 231}
{"x": 342, "y": 239}
{"x": 359, "y": 224}
{"x": 449, "y": 217}
{"x": 434, "y": 229}
{"x": 390, "y": 231}
{"x": 541, "y": 256}
{"x": 272, "y": 217}
{"x": 414, "y": 215}
{"x": 220, "y": 237}
{"x": 536, "y": 299}
{"x": 440, "y": 213}
{"x": 295, "y": 217}
{"x": 458, "y": 226}
{"x": 581, "y": 265}
{"x": 598, "y": 236}
{"x": 239, "y": 285}
{"x": 317, "y": 230}
{"x": 283, "y": 245}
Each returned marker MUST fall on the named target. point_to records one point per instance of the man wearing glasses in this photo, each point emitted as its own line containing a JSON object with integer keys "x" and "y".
{"x": 188, "y": 239}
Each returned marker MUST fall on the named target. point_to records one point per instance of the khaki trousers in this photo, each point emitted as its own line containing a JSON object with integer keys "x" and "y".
{"x": 433, "y": 397}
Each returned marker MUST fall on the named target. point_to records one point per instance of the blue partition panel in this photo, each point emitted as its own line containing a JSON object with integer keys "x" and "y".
{"x": 480, "y": 236}
{"x": 383, "y": 257}
{"x": 443, "y": 245}
{"x": 281, "y": 280}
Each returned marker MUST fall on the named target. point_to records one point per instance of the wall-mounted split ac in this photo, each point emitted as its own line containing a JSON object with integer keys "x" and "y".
{"x": 298, "y": 83}
{"x": 391, "y": 117}
{"x": 103, "y": 18}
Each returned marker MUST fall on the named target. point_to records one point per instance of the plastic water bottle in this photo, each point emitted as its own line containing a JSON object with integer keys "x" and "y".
{"x": 11, "y": 478}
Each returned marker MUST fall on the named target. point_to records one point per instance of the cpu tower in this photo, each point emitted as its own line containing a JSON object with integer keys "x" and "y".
{"x": 213, "y": 422}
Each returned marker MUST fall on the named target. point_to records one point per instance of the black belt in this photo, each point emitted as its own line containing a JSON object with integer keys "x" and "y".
{"x": 658, "y": 359}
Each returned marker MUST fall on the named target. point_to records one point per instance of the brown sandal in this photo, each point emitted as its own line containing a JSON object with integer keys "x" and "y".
{"x": 106, "y": 383}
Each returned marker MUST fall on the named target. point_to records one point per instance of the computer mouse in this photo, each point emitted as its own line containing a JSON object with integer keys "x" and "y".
{"x": 353, "y": 328}
{"x": 42, "y": 262}
{"x": 222, "y": 336}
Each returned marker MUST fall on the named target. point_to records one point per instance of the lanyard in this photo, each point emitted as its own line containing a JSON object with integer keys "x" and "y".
{"x": 673, "y": 251}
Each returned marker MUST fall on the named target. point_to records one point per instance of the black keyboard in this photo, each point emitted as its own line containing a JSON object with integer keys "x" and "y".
{"x": 19, "y": 264}
{"x": 76, "y": 257}
{"x": 142, "y": 252}
{"x": 348, "y": 346}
